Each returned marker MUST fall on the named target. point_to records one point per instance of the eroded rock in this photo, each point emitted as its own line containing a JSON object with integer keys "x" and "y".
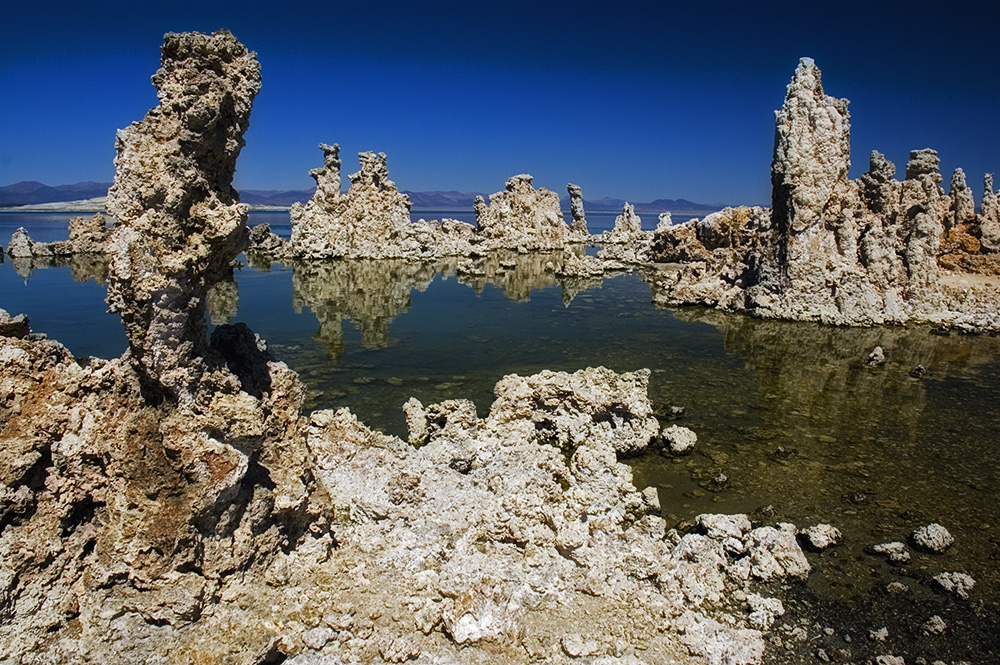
{"x": 863, "y": 252}
{"x": 932, "y": 538}
{"x": 526, "y": 218}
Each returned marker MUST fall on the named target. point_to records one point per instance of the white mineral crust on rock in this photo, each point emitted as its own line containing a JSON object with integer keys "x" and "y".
{"x": 932, "y": 538}
{"x": 370, "y": 220}
{"x": 526, "y": 218}
{"x": 678, "y": 439}
{"x": 896, "y": 552}
{"x": 958, "y": 584}
{"x": 821, "y": 536}
{"x": 861, "y": 252}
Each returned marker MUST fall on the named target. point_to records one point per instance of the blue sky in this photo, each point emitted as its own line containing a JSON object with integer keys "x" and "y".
{"x": 630, "y": 100}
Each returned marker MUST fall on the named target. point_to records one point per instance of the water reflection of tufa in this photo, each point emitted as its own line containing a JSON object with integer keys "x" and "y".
{"x": 371, "y": 293}
{"x": 368, "y": 292}
{"x": 84, "y": 267}
{"x": 518, "y": 274}
{"x": 820, "y": 376}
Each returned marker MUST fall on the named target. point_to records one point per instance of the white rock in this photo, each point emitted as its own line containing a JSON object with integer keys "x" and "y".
{"x": 934, "y": 626}
{"x": 958, "y": 584}
{"x": 896, "y": 552}
{"x": 821, "y": 536}
{"x": 932, "y": 538}
{"x": 316, "y": 638}
{"x": 679, "y": 439}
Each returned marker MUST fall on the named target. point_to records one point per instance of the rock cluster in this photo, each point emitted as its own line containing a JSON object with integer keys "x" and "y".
{"x": 370, "y": 220}
{"x": 862, "y": 252}
{"x": 86, "y": 236}
{"x": 524, "y": 218}
{"x": 138, "y": 489}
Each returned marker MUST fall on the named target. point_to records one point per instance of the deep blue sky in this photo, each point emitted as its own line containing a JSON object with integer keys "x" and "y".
{"x": 631, "y": 100}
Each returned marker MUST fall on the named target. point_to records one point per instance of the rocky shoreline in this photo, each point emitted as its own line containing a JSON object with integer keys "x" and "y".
{"x": 175, "y": 504}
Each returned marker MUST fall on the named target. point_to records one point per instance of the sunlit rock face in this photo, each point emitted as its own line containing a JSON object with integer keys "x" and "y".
{"x": 367, "y": 221}
{"x": 138, "y": 488}
{"x": 579, "y": 217}
{"x": 862, "y": 252}
{"x": 522, "y": 217}
{"x": 87, "y": 235}
{"x": 370, "y": 221}
{"x": 180, "y": 223}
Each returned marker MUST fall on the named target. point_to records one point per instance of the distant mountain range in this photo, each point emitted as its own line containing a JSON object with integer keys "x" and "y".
{"x": 30, "y": 192}
{"x": 34, "y": 193}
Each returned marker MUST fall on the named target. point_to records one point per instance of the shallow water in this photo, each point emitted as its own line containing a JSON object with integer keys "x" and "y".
{"x": 792, "y": 425}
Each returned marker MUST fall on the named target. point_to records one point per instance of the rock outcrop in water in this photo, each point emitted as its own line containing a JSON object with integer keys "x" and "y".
{"x": 861, "y": 252}
{"x": 370, "y": 220}
{"x": 577, "y": 214}
{"x": 524, "y": 218}
{"x": 86, "y": 236}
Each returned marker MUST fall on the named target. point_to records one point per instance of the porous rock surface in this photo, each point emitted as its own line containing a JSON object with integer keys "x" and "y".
{"x": 932, "y": 538}
{"x": 526, "y": 218}
{"x": 174, "y": 505}
{"x": 855, "y": 252}
{"x": 370, "y": 220}
{"x": 87, "y": 235}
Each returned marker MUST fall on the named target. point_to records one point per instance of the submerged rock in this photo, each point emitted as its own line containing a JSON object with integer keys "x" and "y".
{"x": 896, "y": 552}
{"x": 821, "y": 536}
{"x": 876, "y": 358}
{"x": 679, "y": 440}
{"x": 932, "y": 538}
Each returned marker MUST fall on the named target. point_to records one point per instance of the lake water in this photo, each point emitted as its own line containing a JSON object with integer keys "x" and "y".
{"x": 792, "y": 425}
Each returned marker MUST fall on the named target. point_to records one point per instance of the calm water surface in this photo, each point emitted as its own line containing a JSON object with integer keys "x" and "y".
{"x": 792, "y": 426}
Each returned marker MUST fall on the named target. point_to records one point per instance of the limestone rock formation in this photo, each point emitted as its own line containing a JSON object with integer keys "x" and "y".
{"x": 371, "y": 220}
{"x": 577, "y": 213}
{"x": 180, "y": 223}
{"x": 861, "y": 252}
{"x": 628, "y": 226}
{"x": 989, "y": 226}
{"x": 524, "y": 218}
{"x": 86, "y": 236}
{"x": 565, "y": 410}
{"x": 139, "y": 488}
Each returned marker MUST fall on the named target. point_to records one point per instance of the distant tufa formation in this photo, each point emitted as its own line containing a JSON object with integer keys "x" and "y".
{"x": 524, "y": 218}
{"x": 86, "y": 236}
{"x": 854, "y": 252}
{"x": 372, "y": 219}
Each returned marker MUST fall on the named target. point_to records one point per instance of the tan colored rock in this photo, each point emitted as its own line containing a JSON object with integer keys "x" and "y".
{"x": 180, "y": 223}
{"x": 989, "y": 224}
{"x": 371, "y": 220}
{"x": 579, "y": 217}
{"x": 862, "y": 252}
{"x": 522, "y": 217}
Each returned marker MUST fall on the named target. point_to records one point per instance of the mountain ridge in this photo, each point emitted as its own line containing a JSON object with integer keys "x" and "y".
{"x": 31, "y": 192}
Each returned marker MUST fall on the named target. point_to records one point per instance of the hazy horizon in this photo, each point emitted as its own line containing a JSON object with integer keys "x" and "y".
{"x": 637, "y": 103}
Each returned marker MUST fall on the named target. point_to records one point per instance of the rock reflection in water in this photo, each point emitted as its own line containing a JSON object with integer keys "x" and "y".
{"x": 368, "y": 292}
{"x": 84, "y": 267}
{"x": 371, "y": 293}
{"x": 223, "y": 300}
